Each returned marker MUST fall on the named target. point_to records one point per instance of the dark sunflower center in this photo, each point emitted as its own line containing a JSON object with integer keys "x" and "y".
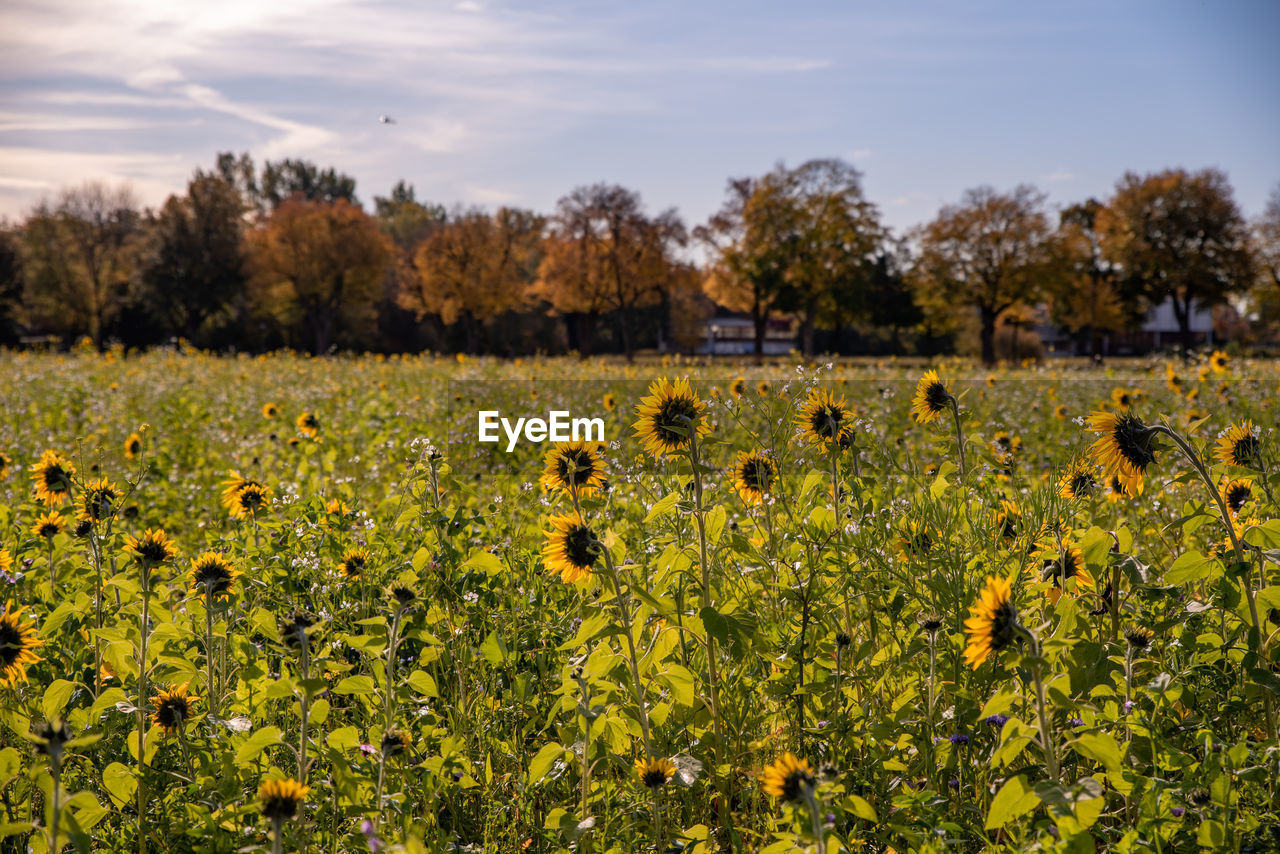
{"x": 791, "y": 785}
{"x": 757, "y": 475}
{"x": 1003, "y": 626}
{"x": 575, "y": 467}
{"x": 579, "y": 546}
{"x": 678, "y": 413}
{"x": 11, "y": 644}
{"x": 1237, "y": 496}
{"x": 1133, "y": 441}
{"x": 826, "y": 421}
{"x": 1244, "y": 451}
{"x": 172, "y": 711}
{"x": 1061, "y": 568}
{"x": 1081, "y": 483}
{"x": 152, "y": 551}
{"x": 213, "y": 576}
{"x": 936, "y": 397}
{"x": 251, "y": 498}
{"x": 654, "y": 777}
{"x": 55, "y": 479}
{"x": 49, "y": 529}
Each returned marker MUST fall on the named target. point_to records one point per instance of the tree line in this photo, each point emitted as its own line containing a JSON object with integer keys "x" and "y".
{"x": 285, "y": 255}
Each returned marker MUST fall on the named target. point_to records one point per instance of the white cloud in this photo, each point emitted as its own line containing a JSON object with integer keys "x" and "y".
{"x": 1059, "y": 176}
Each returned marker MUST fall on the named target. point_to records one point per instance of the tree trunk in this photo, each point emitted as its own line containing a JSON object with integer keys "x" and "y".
{"x": 624, "y": 334}
{"x": 1183, "y": 315}
{"x": 988, "y": 336}
{"x": 760, "y": 318}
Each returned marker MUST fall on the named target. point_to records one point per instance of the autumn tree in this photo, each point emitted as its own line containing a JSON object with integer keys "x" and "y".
{"x": 1179, "y": 237}
{"x": 474, "y": 268}
{"x": 79, "y": 256}
{"x": 281, "y": 181}
{"x": 318, "y": 267}
{"x": 10, "y": 284}
{"x": 1266, "y": 298}
{"x": 407, "y": 222}
{"x": 193, "y": 264}
{"x": 988, "y": 254}
{"x": 1086, "y": 296}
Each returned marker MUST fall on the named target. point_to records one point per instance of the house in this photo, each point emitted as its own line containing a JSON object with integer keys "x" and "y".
{"x": 735, "y": 335}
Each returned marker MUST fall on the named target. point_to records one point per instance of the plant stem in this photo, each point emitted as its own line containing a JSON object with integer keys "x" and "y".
{"x": 1046, "y": 744}
{"x": 955, "y": 416}
{"x": 624, "y": 616}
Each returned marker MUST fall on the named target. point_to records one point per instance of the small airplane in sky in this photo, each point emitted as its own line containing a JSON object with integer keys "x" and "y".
{"x": 386, "y": 120}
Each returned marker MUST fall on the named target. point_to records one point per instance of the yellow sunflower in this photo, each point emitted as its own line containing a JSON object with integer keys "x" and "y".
{"x": 1118, "y": 490}
{"x": 308, "y": 424}
{"x": 738, "y": 387}
{"x": 570, "y": 548}
{"x": 270, "y": 410}
{"x": 575, "y": 468}
{"x": 931, "y": 398}
{"x": 49, "y": 525}
{"x": 133, "y": 446}
{"x": 754, "y": 475}
{"x": 244, "y": 498}
{"x": 762, "y": 388}
{"x": 1007, "y": 519}
{"x": 667, "y": 416}
{"x": 1236, "y": 492}
{"x": 1065, "y": 570}
{"x": 609, "y": 402}
{"x": 1173, "y": 379}
{"x": 213, "y": 575}
{"x": 5, "y": 462}
{"x": 173, "y": 708}
{"x": 655, "y": 773}
{"x": 52, "y": 477}
{"x": 395, "y": 742}
{"x": 993, "y": 622}
{"x": 353, "y": 563}
{"x": 1005, "y": 447}
{"x": 1080, "y": 480}
{"x": 98, "y": 500}
{"x": 789, "y": 778}
{"x": 151, "y": 549}
{"x": 18, "y": 642}
{"x": 279, "y": 799}
{"x": 1123, "y": 447}
{"x": 823, "y": 417}
{"x": 1238, "y": 446}
{"x": 1219, "y": 362}
{"x": 915, "y": 539}
{"x": 1122, "y": 398}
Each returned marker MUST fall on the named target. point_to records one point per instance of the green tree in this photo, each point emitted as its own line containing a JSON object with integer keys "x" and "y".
{"x": 1179, "y": 237}
{"x": 10, "y": 283}
{"x": 1266, "y": 294}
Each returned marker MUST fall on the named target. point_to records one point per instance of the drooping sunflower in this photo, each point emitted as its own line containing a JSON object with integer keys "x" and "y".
{"x": 133, "y": 446}
{"x": 213, "y": 576}
{"x": 173, "y": 707}
{"x": 308, "y": 424}
{"x": 52, "y": 477}
{"x": 822, "y": 417}
{"x": 1123, "y": 447}
{"x": 570, "y": 548}
{"x": 754, "y": 475}
{"x": 353, "y": 563}
{"x": 1080, "y": 480}
{"x": 1139, "y": 637}
{"x": 1238, "y": 446}
{"x": 18, "y": 642}
{"x": 667, "y": 416}
{"x": 575, "y": 468}
{"x": 98, "y": 500}
{"x": 279, "y": 799}
{"x": 655, "y": 773}
{"x": 1219, "y": 362}
{"x": 49, "y": 525}
{"x": 1236, "y": 492}
{"x": 993, "y": 622}
{"x": 270, "y": 410}
{"x": 789, "y": 778}
{"x": 1061, "y": 567}
{"x": 931, "y": 398}
{"x": 151, "y": 549}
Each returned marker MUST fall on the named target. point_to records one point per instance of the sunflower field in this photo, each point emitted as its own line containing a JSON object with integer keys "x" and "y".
{"x": 279, "y": 603}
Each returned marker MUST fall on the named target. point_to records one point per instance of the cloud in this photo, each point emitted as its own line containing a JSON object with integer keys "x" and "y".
{"x": 1060, "y": 175}
{"x": 27, "y": 174}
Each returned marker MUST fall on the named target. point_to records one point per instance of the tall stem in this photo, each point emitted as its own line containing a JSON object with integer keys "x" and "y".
{"x": 142, "y": 714}
{"x": 955, "y": 417}
{"x": 1046, "y": 743}
{"x": 624, "y": 616}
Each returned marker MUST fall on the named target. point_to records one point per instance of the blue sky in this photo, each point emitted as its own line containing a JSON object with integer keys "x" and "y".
{"x": 518, "y": 103}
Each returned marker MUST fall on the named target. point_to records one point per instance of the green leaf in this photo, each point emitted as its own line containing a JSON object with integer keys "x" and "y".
{"x": 355, "y": 685}
{"x": 119, "y": 783}
{"x": 494, "y": 650}
{"x": 664, "y": 507}
{"x": 543, "y": 761}
{"x": 1191, "y": 566}
{"x": 859, "y": 807}
{"x": 1100, "y": 747}
{"x": 422, "y": 682}
{"x": 256, "y": 743}
{"x": 420, "y": 559}
{"x": 484, "y": 561}
{"x": 56, "y": 697}
{"x": 715, "y": 624}
{"x": 715, "y": 523}
{"x": 1015, "y": 798}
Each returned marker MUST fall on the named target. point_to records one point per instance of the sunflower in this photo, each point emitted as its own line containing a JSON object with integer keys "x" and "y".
{"x": 570, "y": 548}
{"x": 1060, "y": 412}
{"x": 754, "y": 475}
{"x": 788, "y": 778}
{"x": 1219, "y": 362}
{"x": 914, "y": 539}
{"x": 931, "y": 398}
{"x": 1122, "y": 398}
{"x": 98, "y": 500}
{"x": 1238, "y": 446}
{"x": 279, "y": 799}
{"x": 354, "y": 562}
{"x": 993, "y": 622}
{"x": 249, "y": 500}
{"x": 1007, "y": 519}
{"x": 1061, "y": 566}
{"x": 5, "y": 462}
{"x": 762, "y": 388}
{"x": 1080, "y": 480}
{"x": 152, "y": 548}
{"x": 133, "y": 446}
{"x": 18, "y": 642}
{"x": 1005, "y": 446}
{"x": 738, "y": 387}
{"x": 1172, "y": 379}
{"x": 52, "y": 476}
{"x": 667, "y": 415}
{"x": 49, "y": 525}
{"x": 609, "y": 402}
{"x": 395, "y": 741}
{"x": 296, "y": 631}
{"x": 213, "y": 575}
{"x": 1123, "y": 447}
{"x": 1139, "y": 637}
{"x": 308, "y": 424}
{"x": 823, "y": 417}
{"x": 655, "y": 773}
{"x": 1117, "y": 490}
{"x": 270, "y": 410}
{"x": 575, "y": 468}
{"x": 1236, "y": 492}
{"x": 173, "y": 708}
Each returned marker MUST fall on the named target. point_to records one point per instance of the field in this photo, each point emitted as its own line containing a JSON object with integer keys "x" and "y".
{"x": 835, "y": 608}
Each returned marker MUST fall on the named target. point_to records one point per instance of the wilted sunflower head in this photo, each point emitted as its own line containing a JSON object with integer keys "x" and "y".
{"x": 52, "y": 478}
{"x": 823, "y": 417}
{"x": 213, "y": 576}
{"x": 571, "y": 548}
{"x": 133, "y": 446}
{"x": 98, "y": 500}
{"x": 1123, "y": 447}
{"x": 575, "y": 468}
{"x": 279, "y": 799}
{"x": 1239, "y": 446}
{"x": 308, "y": 424}
{"x": 931, "y": 398}
{"x": 173, "y": 707}
{"x": 789, "y": 778}
{"x": 668, "y": 416}
{"x": 754, "y": 475}
{"x": 353, "y": 563}
{"x": 296, "y": 631}
{"x": 993, "y": 621}
{"x": 151, "y": 549}
{"x": 51, "y": 736}
{"x": 1138, "y": 637}
{"x": 49, "y": 525}
{"x": 915, "y": 539}
{"x": 656, "y": 772}
{"x": 1080, "y": 480}
{"x": 403, "y": 595}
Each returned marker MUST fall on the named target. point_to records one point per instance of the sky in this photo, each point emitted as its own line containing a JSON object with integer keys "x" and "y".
{"x": 503, "y": 103}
